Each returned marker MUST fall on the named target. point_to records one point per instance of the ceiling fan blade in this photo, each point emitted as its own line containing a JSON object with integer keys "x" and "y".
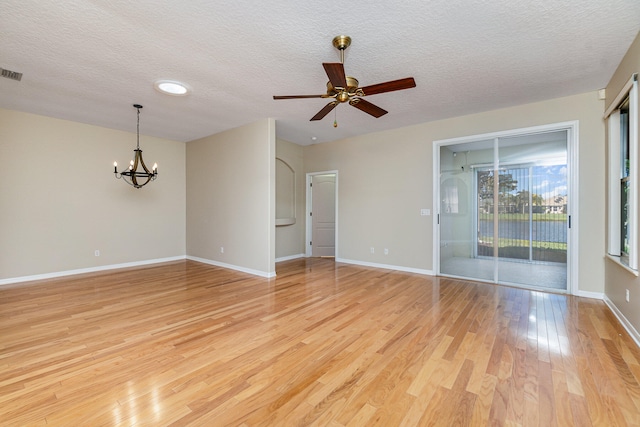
{"x": 298, "y": 96}
{"x": 390, "y": 86}
{"x": 368, "y": 107}
{"x": 326, "y": 110}
{"x": 335, "y": 72}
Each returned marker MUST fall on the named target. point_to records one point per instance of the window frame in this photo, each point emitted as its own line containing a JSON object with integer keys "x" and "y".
{"x": 623, "y": 146}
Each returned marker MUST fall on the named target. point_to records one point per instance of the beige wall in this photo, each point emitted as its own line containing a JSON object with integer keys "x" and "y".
{"x": 290, "y": 238}
{"x": 386, "y": 178}
{"x": 617, "y": 279}
{"x": 59, "y": 200}
{"x": 57, "y": 215}
{"x": 231, "y": 198}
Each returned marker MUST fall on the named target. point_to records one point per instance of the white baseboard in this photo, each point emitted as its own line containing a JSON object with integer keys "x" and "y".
{"x": 233, "y": 267}
{"x": 87, "y": 270}
{"x": 13, "y": 280}
{"x": 592, "y": 295}
{"x": 290, "y": 257}
{"x": 623, "y": 320}
{"x": 386, "y": 266}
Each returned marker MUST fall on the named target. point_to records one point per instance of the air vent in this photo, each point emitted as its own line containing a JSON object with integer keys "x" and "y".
{"x": 13, "y": 75}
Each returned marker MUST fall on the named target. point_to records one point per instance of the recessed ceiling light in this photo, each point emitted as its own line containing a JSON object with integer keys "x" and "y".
{"x": 172, "y": 87}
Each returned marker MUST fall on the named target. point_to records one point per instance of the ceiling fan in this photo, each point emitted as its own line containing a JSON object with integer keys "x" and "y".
{"x": 343, "y": 88}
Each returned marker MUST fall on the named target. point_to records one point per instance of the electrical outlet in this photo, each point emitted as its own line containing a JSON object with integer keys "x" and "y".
{"x": 386, "y": 251}
{"x": 627, "y": 295}
{"x": 97, "y": 252}
{"x": 372, "y": 250}
{"x": 221, "y": 249}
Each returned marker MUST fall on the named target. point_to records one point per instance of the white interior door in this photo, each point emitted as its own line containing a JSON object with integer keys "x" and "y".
{"x": 323, "y": 215}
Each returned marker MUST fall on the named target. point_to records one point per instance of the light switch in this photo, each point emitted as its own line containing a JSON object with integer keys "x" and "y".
{"x": 425, "y": 212}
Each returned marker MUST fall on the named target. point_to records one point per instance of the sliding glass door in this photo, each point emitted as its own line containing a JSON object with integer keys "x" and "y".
{"x": 513, "y": 229}
{"x": 460, "y": 211}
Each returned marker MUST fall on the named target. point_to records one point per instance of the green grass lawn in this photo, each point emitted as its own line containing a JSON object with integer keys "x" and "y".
{"x": 525, "y": 217}
{"x": 519, "y": 249}
{"x": 503, "y": 243}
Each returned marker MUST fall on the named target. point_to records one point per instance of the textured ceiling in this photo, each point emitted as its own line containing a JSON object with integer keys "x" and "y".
{"x": 89, "y": 61}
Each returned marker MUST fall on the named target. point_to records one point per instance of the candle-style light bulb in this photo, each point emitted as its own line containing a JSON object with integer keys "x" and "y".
{"x": 155, "y": 166}
{"x": 115, "y": 167}
{"x": 131, "y": 162}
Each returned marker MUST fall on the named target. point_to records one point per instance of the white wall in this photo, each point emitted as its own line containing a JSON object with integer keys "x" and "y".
{"x": 386, "y": 178}
{"x": 231, "y": 198}
{"x": 59, "y": 200}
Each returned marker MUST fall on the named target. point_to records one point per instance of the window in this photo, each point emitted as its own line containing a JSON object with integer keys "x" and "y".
{"x": 622, "y": 123}
{"x": 625, "y": 182}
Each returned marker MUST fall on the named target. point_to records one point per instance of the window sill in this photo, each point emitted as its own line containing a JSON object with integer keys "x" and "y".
{"x": 616, "y": 259}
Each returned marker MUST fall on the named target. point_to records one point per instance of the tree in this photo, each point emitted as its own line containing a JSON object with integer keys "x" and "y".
{"x": 506, "y": 185}
{"x": 522, "y": 200}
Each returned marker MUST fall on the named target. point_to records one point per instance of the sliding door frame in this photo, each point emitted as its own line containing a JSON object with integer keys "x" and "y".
{"x": 571, "y": 127}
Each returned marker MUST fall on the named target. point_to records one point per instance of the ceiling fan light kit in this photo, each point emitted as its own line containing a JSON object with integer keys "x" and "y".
{"x": 343, "y": 88}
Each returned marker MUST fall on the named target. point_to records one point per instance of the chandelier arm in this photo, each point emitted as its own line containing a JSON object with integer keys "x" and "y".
{"x": 146, "y": 182}
{"x": 135, "y": 165}
{"x": 139, "y": 154}
{"x": 125, "y": 179}
{"x": 133, "y": 181}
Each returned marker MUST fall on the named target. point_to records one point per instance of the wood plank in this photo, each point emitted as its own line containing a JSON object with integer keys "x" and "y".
{"x": 484, "y": 399}
{"x": 561, "y": 397}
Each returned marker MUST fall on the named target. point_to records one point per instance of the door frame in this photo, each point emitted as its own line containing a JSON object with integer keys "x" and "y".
{"x": 308, "y": 223}
{"x": 571, "y": 127}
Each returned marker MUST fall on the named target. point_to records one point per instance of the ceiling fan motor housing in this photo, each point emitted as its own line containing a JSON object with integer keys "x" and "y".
{"x": 343, "y": 94}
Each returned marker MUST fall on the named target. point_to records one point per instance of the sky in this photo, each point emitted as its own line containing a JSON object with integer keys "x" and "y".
{"x": 550, "y": 181}
{"x": 547, "y": 181}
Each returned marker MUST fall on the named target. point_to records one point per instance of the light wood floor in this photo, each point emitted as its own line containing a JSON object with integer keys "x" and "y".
{"x": 323, "y": 344}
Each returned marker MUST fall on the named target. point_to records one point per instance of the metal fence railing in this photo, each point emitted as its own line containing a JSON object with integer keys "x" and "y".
{"x": 532, "y": 216}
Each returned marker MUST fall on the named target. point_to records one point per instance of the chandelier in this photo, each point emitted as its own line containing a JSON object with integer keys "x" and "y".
{"x": 133, "y": 176}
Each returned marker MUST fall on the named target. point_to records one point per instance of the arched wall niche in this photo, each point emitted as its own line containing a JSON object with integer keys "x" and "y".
{"x": 285, "y": 193}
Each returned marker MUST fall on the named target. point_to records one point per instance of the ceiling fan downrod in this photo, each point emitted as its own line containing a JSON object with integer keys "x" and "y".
{"x": 341, "y": 43}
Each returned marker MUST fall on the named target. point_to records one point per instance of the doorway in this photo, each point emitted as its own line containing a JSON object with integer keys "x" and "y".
{"x": 322, "y": 196}
{"x": 504, "y": 204}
